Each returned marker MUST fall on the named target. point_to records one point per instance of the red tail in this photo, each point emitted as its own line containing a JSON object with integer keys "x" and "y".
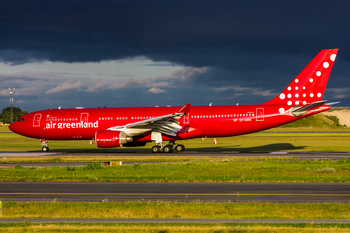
{"x": 309, "y": 85}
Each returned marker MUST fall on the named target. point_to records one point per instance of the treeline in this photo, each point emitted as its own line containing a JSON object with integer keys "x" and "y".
{"x": 5, "y": 116}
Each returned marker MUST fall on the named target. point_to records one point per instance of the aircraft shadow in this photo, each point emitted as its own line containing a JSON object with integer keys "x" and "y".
{"x": 275, "y": 147}
{"x": 264, "y": 148}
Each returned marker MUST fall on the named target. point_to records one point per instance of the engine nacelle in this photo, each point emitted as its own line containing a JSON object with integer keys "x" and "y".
{"x": 110, "y": 138}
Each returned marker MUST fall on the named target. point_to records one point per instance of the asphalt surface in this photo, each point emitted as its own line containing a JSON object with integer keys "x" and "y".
{"x": 177, "y": 191}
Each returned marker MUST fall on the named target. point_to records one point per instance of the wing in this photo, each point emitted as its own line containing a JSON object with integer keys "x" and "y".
{"x": 166, "y": 124}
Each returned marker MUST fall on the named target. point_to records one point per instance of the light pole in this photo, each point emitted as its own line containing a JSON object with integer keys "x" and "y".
{"x": 11, "y": 103}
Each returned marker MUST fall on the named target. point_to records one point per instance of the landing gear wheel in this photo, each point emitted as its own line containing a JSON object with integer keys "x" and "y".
{"x": 45, "y": 149}
{"x": 155, "y": 149}
{"x": 179, "y": 148}
{"x": 168, "y": 149}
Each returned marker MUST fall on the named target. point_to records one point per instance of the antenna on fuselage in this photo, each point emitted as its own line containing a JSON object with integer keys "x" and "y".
{"x": 210, "y": 104}
{"x": 237, "y": 104}
{"x": 59, "y": 107}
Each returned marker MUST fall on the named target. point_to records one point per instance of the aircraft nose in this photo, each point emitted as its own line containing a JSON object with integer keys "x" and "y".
{"x": 12, "y": 127}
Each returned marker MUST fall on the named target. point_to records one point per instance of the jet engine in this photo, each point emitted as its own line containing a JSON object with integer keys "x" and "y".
{"x": 111, "y": 138}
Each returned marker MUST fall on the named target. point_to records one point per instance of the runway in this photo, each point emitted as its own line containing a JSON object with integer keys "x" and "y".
{"x": 182, "y": 192}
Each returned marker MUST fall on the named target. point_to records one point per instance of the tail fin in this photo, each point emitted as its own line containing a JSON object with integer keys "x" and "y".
{"x": 309, "y": 85}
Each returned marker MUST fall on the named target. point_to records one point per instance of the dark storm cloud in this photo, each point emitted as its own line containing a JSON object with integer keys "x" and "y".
{"x": 254, "y": 44}
{"x": 187, "y": 32}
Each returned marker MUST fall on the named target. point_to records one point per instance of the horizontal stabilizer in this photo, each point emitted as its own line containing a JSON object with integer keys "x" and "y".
{"x": 299, "y": 111}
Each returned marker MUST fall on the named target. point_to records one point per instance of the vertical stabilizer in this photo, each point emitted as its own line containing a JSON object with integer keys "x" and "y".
{"x": 309, "y": 85}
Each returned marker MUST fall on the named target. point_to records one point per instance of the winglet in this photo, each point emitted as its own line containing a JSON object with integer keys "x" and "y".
{"x": 185, "y": 109}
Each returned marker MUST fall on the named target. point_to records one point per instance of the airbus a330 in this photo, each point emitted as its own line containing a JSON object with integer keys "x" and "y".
{"x": 136, "y": 126}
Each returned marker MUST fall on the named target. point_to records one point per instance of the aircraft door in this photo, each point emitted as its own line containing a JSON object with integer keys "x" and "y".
{"x": 187, "y": 118}
{"x": 36, "y": 120}
{"x": 84, "y": 117}
{"x": 259, "y": 114}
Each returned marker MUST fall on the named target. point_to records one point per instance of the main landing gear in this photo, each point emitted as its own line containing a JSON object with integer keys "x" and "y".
{"x": 45, "y": 145}
{"x": 168, "y": 148}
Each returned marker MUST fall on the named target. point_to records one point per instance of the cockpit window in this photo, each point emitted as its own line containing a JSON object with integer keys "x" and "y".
{"x": 20, "y": 119}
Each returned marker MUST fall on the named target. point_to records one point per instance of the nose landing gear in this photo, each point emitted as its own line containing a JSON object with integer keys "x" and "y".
{"x": 45, "y": 145}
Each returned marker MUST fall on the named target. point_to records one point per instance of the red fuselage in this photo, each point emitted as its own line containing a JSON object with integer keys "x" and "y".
{"x": 201, "y": 121}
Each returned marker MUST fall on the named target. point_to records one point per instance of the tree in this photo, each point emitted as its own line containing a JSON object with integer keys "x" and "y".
{"x": 5, "y": 116}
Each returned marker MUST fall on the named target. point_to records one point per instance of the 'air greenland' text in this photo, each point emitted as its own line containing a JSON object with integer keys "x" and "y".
{"x": 78, "y": 125}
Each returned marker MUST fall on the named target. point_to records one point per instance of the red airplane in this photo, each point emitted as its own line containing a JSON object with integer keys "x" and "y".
{"x": 115, "y": 127}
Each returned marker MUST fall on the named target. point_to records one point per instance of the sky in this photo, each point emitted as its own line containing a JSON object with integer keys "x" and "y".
{"x": 85, "y": 53}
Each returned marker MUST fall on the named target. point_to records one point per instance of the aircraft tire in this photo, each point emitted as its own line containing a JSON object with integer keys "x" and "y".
{"x": 45, "y": 149}
{"x": 155, "y": 149}
{"x": 179, "y": 148}
{"x": 168, "y": 149}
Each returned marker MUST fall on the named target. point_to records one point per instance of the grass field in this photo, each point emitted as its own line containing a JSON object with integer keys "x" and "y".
{"x": 167, "y": 210}
{"x": 176, "y": 210}
{"x": 224, "y": 170}
{"x": 169, "y": 228}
